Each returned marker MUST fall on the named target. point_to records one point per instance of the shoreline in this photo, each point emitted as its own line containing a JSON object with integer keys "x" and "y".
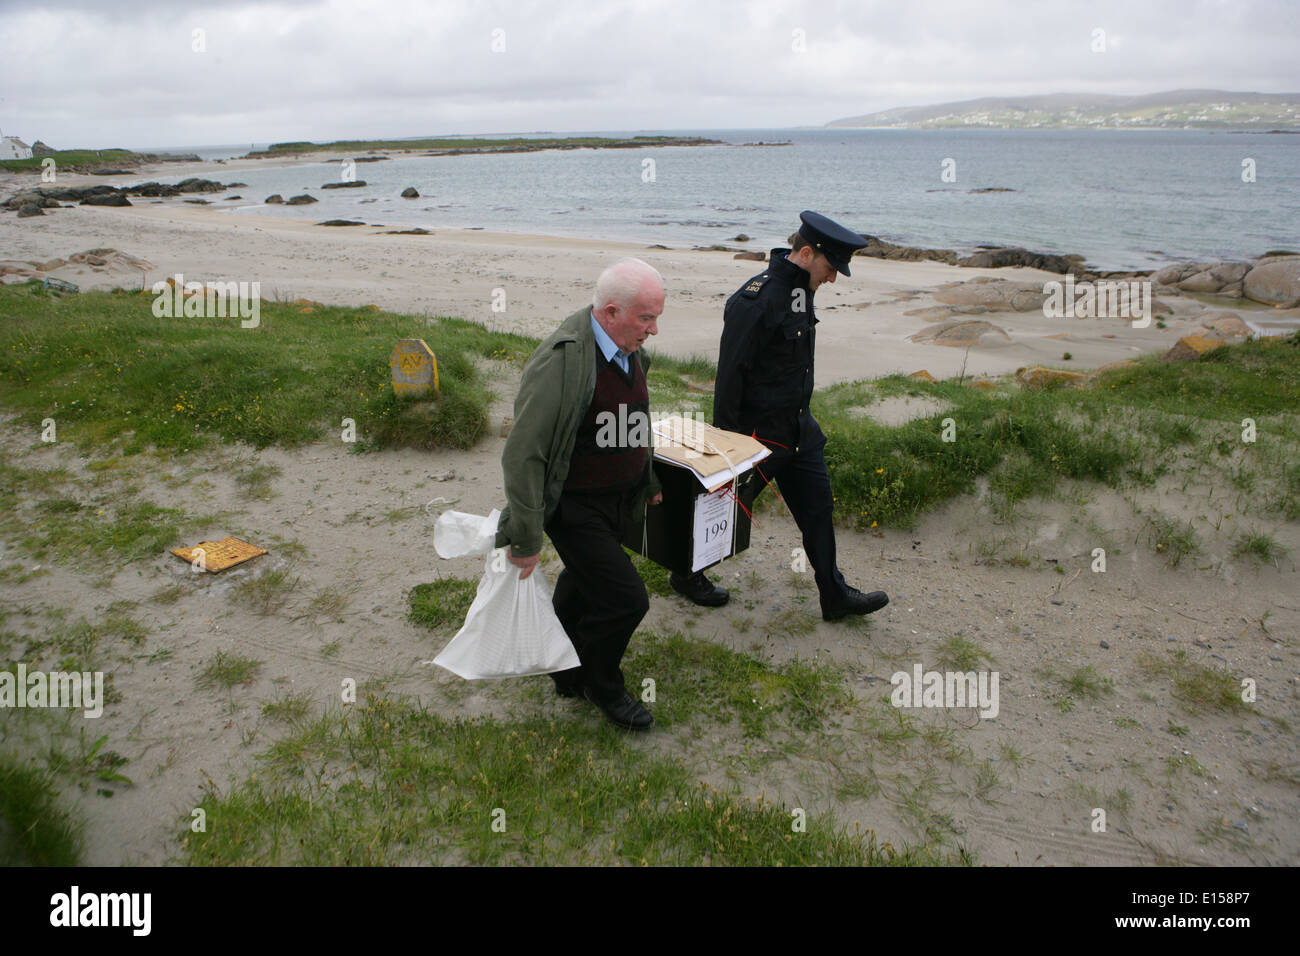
{"x": 229, "y": 170}
{"x": 871, "y": 318}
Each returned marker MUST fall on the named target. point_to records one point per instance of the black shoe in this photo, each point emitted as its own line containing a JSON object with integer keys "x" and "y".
{"x": 698, "y": 588}
{"x": 625, "y": 712}
{"x": 855, "y": 602}
{"x": 568, "y": 683}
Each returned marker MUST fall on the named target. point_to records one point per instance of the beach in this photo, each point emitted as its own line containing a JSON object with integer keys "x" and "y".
{"x": 939, "y": 574}
{"x": 866, "y": 320}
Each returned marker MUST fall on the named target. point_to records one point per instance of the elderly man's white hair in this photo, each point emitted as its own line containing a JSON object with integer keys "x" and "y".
{"x": 621, "y": 282}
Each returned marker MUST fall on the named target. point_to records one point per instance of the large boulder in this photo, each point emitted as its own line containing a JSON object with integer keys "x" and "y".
{"x": 1191, "y": 347}
{"x": 961, "y": 334}
{"x": 196, "y": 185}
{"x": 28, "y": 198}
{"x": 1213, "y": 278}
{"x": 880, "y": 249}
{"x": 1225, "y": 325}
{"x": 1003, "y": 257}
{"x": 302, "y": 200}
{"x": 354, "y": 184}
{"x": 1275, "y": 282}
{"x": 106, "y": 199}
{"x": 410, "y": 192}
{"x": 153, "y": 189}
{"x": 992, "y": 295}
{"x": 275, "y": 199}
{"x": 1037, "y": 377}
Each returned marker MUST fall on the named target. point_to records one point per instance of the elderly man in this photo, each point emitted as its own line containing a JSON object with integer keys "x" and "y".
{"x": 765, "y": 380}
{"x": 578, "y": 464}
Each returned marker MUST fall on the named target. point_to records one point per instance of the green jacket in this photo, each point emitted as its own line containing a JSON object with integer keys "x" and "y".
{"x": 554, "y": 395}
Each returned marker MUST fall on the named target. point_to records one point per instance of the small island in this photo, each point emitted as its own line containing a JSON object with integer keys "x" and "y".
{"x": 456, "y": 146}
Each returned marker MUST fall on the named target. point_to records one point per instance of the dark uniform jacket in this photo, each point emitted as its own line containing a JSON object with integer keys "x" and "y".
{"x": 765, "y": 360}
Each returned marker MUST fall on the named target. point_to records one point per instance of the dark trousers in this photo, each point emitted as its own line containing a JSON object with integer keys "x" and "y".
{"x": 805, "y": 487}
{"x": 599, "y": 597}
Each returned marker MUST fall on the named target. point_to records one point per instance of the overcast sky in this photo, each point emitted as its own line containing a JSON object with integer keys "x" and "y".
{"x": 101, "y": 73}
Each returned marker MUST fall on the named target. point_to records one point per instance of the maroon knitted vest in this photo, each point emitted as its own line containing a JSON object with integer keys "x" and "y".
{"x": 609, "y": 454}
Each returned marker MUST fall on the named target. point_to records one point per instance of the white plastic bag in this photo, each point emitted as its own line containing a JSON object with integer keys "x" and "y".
{"x": 511, "y": 629}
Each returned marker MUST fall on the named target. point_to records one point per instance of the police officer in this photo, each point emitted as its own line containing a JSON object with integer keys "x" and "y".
{"x": 765, "y": 381}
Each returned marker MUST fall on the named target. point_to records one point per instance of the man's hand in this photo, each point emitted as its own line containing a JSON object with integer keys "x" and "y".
{"x": 525, "y": 565}
{"x": 657, "y": 499}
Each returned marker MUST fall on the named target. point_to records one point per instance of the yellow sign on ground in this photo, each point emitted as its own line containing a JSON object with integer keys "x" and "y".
{"x": 218, "y": 555}
{"x": 414, "y": 366}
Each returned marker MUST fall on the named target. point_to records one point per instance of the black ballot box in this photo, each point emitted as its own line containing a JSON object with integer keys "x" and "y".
{"x": 693, "y": 529}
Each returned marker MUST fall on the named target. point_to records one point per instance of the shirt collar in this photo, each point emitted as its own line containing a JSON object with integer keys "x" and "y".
{"x": 603, "y": 341}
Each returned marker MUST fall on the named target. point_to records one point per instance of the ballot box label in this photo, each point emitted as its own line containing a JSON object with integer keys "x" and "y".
{"x": 714, "y": 528}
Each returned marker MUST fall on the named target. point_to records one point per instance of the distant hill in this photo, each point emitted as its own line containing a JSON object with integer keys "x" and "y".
{"x": 1176, "y": 109}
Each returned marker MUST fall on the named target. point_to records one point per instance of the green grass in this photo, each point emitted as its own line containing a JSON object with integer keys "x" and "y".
{"x": 1085, "y": 682}
{"x": 268, "y": 592}
{"x": 1129, "y": 428}
{"x": 255, "y": 481}
{"x": 700, "y": 680}
{"x": 226, "y": 669}
{"x": 109, "y": 372}
{"x": 1199, "y": 689}
{"x": 1260, "y": 547}
{"x": 655, "y": 576}
{"x": 34, "y": 829}
{"x": 961, "y": 654}
{"x": 387, "y": 782}
{"x": 441, "y": 604}
{"x": 1175, "y": 542}
{"x": 70, "y": 160}
{"x": 288, "y": 709}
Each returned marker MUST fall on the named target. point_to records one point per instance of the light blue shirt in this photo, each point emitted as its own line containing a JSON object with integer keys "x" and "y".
{"x": 607, "y": 347}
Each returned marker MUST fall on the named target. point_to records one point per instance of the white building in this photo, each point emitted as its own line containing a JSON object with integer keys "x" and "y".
{"x": 11, "y": 147}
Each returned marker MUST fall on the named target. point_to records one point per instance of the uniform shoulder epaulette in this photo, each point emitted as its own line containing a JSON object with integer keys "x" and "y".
{"x": 755, "y": 285}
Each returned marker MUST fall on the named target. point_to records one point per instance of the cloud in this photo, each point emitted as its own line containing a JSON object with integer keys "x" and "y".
{"x": 106, "y": 73}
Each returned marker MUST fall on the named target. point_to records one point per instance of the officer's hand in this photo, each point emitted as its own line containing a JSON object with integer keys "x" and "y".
{"x": 657, "y": 498}
{"x": 525, "y": 565}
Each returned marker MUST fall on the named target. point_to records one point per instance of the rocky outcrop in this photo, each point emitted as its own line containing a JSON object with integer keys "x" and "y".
{"x": 961, "y": 334}
{"x": 880, "y": 249}
{"x": 1218, "y": 278}
{"x": 1275, "y": 282}
{"x": 997, "y": 258}
{"x": 1225, "y": 326}
{"x": 984, "y": 294}
{"x": 410, "y": 192}
{"x": 275, "y": 199}
{"x": 30, "y": 209}
{"x": 302, "y": 200}
{"x": 49, "y": 197}
{"x": 1191, "y": 347}
{"x": 1273, "y": 279}
{"x": 107, "y": 199}
{"x": 1037, "y": 377}
{"x": 354, "y": 184}
{"x": 752, "y": 256}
